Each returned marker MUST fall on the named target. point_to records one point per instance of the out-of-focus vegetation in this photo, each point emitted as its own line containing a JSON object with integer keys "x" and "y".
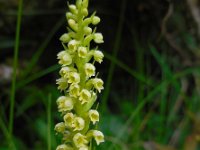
{"x": 151, "y": 99}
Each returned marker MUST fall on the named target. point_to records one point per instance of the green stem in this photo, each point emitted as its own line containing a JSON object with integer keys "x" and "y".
{"x": 5, "y": 132}
{"x": 15, "y": 64}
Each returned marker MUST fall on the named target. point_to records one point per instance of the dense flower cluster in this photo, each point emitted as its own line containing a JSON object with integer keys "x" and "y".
{"x": 79, "y": 81}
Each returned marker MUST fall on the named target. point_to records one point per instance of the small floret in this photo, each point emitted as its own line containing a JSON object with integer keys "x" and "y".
{"x": 89, "y": 69}
{"x": 98, "y": 56}
{"x": 64, "y": 147}
{"x": 65, "y": 103}
{"x": 74, "y": 77}
{"x": 94, "y": 116}
{"x": 98, "y": 38}
{"x": 69, "y": 119}
{"x": 82, "y": 52}
{"x": 84, "y": 96}
{"x": 62, "y": 84}
{"x": 60, "y": 127}
{"x": 64, "y": 58}
{"x": 98, "y": 84}
{"x": 74, "y": 90}
{"x": 78, "y": 124}
{"x": 80, "y": 140}
{"x": 73, "y": 45}
{"x": 98, "y": 136}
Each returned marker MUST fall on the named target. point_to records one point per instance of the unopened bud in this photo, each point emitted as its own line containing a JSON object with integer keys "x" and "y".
{"x": 73, "y": 9}
{"x": 98, "y": 38}
{"x": 65, "y": 38}
{"x": 87, "y": 30}
{"x": 85, "y": 12}
{"x": 95, "y": 20}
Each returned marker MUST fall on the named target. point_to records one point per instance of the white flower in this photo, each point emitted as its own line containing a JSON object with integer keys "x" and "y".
{"x": 62, "y": 84}
{"x": 69, "y": 119}
{"x": 98, "y": 84}
{"x": 64, "y": 72}
{"x": 84, "y": 148}
{"x": 60, "y": 127}
{"x": 64, "y": 147}
{"x": 84, "y": 96}
{"x": 78, "y": 124}
{"x": 82, "y": 52}
{"x": 98, "y": 136}
{"x": 89, "y": 69}
{"x": 98, "y": 56}
{"x": 98, "y": 38}
{"x": 74, "y": 77}
{"x": 73, "y": 45}
{"x": 80, "y": 140}
{"x": 94, "y": 116}
{"x": 64, "y": 58}
{"x": 74, "y": 90}
{"x": 65, "y": 103}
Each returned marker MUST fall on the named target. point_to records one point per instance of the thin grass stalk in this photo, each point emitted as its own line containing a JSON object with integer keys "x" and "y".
{"x": 36, "y": 56}
{"x": 15, "y": 64}
{"x": 49, "y": 123}
{"x": 6, "y": 134}
{"x": 112, "y": 65}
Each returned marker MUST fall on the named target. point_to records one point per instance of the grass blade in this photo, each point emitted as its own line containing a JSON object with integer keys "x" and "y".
{"x": 137, "y": 110}
{"x": 37, "y": 75}
{"x": 129, "y": 70}
{"x": 15, "y": 64}
{"x": 41, "y": 49}
{"x": 49, "y": 123}
{"x": 112, "y": 65}
{"x": 165, "y": 68}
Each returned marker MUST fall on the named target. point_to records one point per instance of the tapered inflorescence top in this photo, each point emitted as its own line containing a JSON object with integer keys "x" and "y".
{"x": 79, "y": 81}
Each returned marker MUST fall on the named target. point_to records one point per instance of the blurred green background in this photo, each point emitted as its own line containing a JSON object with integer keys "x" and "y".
{"x": 151, "y": 71}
